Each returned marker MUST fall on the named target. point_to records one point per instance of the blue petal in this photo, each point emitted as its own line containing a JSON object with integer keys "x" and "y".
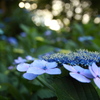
{"x": 94, "y": 69}
{"x": 29, "y": 76}
{"x": 23, "y": 67}
{"x": 78, "y": 68}
{"x": 35, "y": 70}
{"x": 97, "y": 82}
{"x": 53, "y": 71}
{"x": 87, "y": 73}
{"x": 50, "y": 65}
{"x": 79, "y": 77}
{"x": 38, "y": 63}
{"x": 69, "y": 68}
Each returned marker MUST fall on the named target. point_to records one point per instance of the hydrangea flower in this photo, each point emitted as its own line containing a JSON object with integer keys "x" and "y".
{"x": 29, "y": 57}
{"x": 11, "y": 67}
{"x": 79, "y": 73}
{"x": 40, "y": 66}
{"x": 19, "y": 60}
{"x": 24, "y": 67}
{"x": 85, "y": 38}
{"x": 23, "y": 34}
{"x": 95, "y": 70}
{"x": 80, "y": 57}
{"x": 12, "y": 40}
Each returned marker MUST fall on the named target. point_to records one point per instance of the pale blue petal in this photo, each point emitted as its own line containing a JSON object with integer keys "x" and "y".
{"x": 79, "y": 77}
{"x": 78, "y": 68}
{"x": 19, "y": 60}
{"x": 37, "y": 63}
{"x": 50, "y": 65}
{"x": 69, "y": 68}
{"x": 94, "y": 69}
{"x": 35, "y": 70}
{"x": 29, "y": 76}
{"x": 53, "y": 71}
{"x": 43, "y": 62}
{"x": 97, "y": 82}
{"x": 98, "y": 70}
{"x": 23, "y": 67}
{"x": 92, "y": 72}
{"x": 87, "y": 73}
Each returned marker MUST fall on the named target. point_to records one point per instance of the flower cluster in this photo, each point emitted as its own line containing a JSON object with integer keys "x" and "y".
{"x": 38, "y": 67}
{"x": 80, "y": 57}
{"x": 83, "y": 66}
{"x": 21, "y": 60}
{"x": 84, "y": 75}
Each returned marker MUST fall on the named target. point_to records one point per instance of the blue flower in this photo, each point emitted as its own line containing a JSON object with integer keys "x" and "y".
{"x": 48, "y": 33}
{"x": 79, "y": 73}
{"x": 11, "y": 67}
{"x": 23, "y": 34}
{"x": 24, "y": 67}
{"x": 85, "y": 38}
{"x": 95, "y": 70}
{"x": 39, "y": 67}
{"x": 80, "y": 57}
{"x": 29, "y": 57}
{"x": 19, "y": 60}
{"x": 12, "y": 40}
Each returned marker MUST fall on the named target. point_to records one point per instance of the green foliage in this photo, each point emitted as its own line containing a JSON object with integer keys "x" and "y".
{"x": 36, "y": 43}
{"x": 69, "y": 89}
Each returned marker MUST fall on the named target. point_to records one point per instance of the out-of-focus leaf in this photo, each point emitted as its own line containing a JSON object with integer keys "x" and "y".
{"x": 79, "y": 28}
{"x": 25, "y": 28}
{"x": 3, "y": 98}
{"x": 44, "y": 49}
{"x": 3, "y": 78}
{"x": 64, "y": 51}
{"x": 13, "y": 91}
{"x": 40, "y": 39}
{"x": 69, "y": 89}
{"x": 17, "y": 50}
{"x": 45, "y": 93}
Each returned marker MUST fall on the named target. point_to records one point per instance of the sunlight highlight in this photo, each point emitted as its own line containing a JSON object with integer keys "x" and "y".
{"x": 86, "y": 18}
{"x": 21, "y": 5}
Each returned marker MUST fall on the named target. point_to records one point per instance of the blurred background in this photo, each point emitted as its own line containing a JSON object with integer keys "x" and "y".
{"x": 38, "y": 27}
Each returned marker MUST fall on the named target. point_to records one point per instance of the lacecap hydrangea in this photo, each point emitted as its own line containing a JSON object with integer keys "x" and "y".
{"x": 83, "y": 65}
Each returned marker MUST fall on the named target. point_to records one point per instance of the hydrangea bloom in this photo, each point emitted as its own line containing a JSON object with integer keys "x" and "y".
{"x": 24, "y": 67}
{"x": 79, "y": 73}
{"x": 12, "y": 40}
{"x": 96, "y": 73}
{"x": 11, "y": 67}
{"x": 80, "y": 57}
{"x": 40, "y": 66}
{"x": 19, "y": 60}
{"x": 29, "y": 57}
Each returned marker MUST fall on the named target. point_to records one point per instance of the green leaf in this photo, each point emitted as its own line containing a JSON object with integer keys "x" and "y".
{"x": 79, "y": 28}
{"x": 45, "y": 93}
{"x": 69, "y": 89}
{"x": 3, "y": 98}
{"x": 44, "y": 49}
{"x": 25, "y": 28}
{"x": 13, "y": 91}
{"x": 3, "y": 78}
